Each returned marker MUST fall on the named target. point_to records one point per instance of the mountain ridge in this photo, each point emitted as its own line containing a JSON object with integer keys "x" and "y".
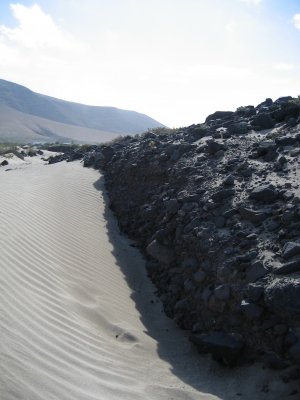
{"x": 104, "y": 119}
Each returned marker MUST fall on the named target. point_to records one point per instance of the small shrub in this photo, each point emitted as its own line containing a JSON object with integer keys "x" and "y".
{"x": 296, "y": 100}
{"x": 83, "y": 146}
{"x": 161, "y": 130}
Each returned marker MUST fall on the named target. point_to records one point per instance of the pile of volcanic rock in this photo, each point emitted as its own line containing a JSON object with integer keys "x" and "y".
{"x": 215, "y": 209}
{"x": 65, "y": 153}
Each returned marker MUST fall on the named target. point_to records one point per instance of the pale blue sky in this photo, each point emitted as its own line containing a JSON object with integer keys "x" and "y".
{"x": 174, "y": 60}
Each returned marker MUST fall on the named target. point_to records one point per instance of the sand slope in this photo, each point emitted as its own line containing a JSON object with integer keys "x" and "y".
{"x": 79, "y": 319}
{"x": 19, "y": 127}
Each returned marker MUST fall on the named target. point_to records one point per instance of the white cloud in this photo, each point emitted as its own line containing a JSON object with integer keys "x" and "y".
{"x": 119, "y": 68}
{"x": 36, "y": 29}
{"x": 284, "y": 66}
{"x": 296, "y": 21}
{"x": 252, "y": 1}
{"x": 231, "y": 27}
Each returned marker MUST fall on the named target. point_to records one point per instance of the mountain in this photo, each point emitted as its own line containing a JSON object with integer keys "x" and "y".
{"x": 29, "y": 116}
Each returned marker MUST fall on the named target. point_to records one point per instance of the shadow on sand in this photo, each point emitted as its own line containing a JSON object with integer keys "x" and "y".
{"x": 198, "y": 371}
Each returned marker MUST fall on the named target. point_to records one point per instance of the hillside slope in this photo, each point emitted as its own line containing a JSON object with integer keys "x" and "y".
{"x": 107, "y": 119}
{"x": 18, "y": 127}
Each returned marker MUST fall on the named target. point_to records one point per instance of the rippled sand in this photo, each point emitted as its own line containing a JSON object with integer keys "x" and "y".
{"x": 79, "y": 318}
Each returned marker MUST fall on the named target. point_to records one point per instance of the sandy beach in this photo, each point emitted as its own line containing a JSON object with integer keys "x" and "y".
{"x": 79, "y": 317}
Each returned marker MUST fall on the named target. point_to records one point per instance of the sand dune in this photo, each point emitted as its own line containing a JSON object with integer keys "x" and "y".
{"x": 79, "y": 318}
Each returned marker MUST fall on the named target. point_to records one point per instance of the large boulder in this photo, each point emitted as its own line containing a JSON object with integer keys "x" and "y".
{"x": 213, "y": 147}
{"x": 223, "y": 346}
{"x": 172, "y": 206}
{"x": 238, "y": 128}
{"x": 193, "y": 224}
{"x": 264, "y": 121}
{"x": 283, "y": 99}
{"x": 164, "y": 254}
{"x": 264, "y": 193}
{"x": 223, "y": 194}
{"x": 218, "y": 115}
{"x": 290, "y": 249}
{"x": 282, "y": 296}
{"x": 199, "y": 132}
{"x": 288, "y": 268}
{"x": 108, "y": 153}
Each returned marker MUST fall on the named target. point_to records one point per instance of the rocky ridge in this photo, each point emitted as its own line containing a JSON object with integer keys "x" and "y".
{"x": 215, "y": 209}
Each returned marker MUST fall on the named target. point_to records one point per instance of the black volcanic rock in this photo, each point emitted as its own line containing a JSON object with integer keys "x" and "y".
{"x": 223, "y": 346}
{"x": 217, "y": 228}
{"x": 264, "y": 193}
{"x": 219, "y": 115}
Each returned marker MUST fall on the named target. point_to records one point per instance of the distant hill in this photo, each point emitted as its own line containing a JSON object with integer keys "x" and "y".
{"x": 29, "y": 116}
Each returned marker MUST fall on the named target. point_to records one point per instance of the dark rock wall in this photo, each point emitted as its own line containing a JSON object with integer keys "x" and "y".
{"x": 215, "y": 210}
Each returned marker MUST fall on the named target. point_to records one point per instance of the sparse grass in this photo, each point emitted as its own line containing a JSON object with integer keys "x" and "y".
{"x": 161, "y": 131}
{"x": 9, "y": 149}
{"x": 296, "y": 100}
{"x": 9, "y": 155}
{"x": 84, "y": 146}
{"x": 117, "y": 139}
{"x": 157, "y": 131}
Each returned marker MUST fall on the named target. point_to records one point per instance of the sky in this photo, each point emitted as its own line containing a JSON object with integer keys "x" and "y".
{"x": 176, "y": 61}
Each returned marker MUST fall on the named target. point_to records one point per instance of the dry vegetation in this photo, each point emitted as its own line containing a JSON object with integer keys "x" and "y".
{"x": 7, "y": 149}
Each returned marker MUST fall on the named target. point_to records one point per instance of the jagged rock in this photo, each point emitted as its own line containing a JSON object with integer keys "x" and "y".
{"x": 291, "y": 123}
{"x": 188, "y": 198}
{"x": 295, "y": 152}
{"x": 238, "y": 128}
{"x": 264, "y": 121}
{"x": 108, "y": 153}
{"x": 250, "y": 112}
{"x": 200, "y": 276}
{"x": 229, "y": 213}
{"x": 172, "y": 206}
{"x": 193, "y": 224}
{"x": 255, "y": 291}
{"x": 256, "y": 271}
{"x": 273, "y": 362}
{"x": 213, "y": 147}
{"x": 251, "y": 310}
{"x": 199, "y": 132}
{"x": 222, "y": 292}
{"x": 287, "y": 216}
{"x": 295, "y": 352}
{"x": 264, "y": 192}
{"x": 220, "y": 222}
{"x": 290, "y": 249}
{"x": 181, "y": 305}
{"x": 249, "y": 256}
{"x": 218, "y": 115}
{"x": 285, "y": 140}
{"x": 151, "y": 266}
{"x": 161, "y": 253}
{"x": 282, "y": 296}
{"x": 288, "y": 268}
{"x": 223, "y": 346}
{"x": 223, "y": 194}
{"x": 267, "y": 102}
{"x": 229, "y": 180}
{"x": 287, "y": 196}
{"x": 258, "y": 218}
{"x": 190, "y": 262}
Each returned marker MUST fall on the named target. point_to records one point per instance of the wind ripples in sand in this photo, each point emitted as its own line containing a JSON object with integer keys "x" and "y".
{"x": 79, "y": 319}
{"x": 69, "y": 327}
